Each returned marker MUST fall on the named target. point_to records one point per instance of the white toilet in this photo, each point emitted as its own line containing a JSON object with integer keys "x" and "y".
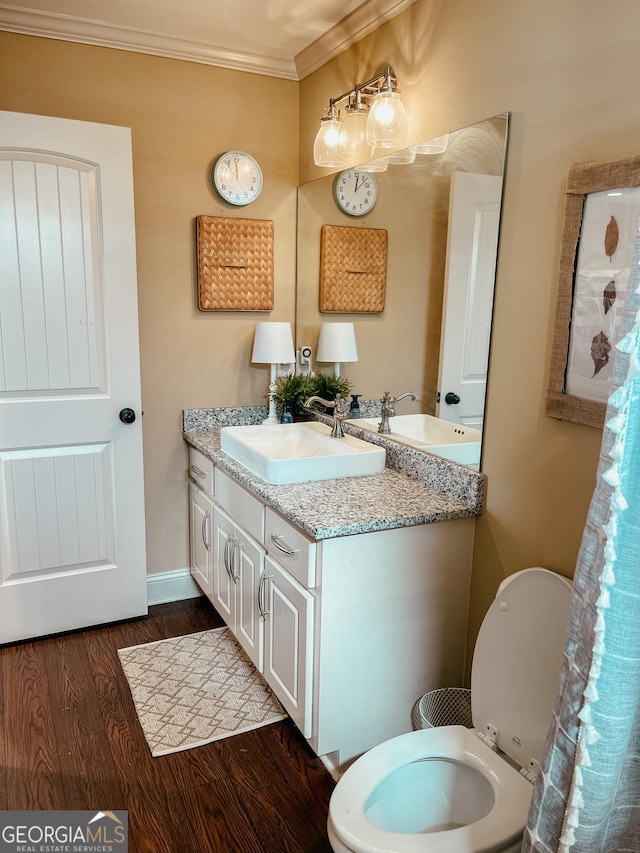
{"x": 458, "y": 790}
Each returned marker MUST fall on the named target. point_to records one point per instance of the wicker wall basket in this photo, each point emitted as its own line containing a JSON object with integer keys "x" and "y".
{"x": 353, "y": 269}
{"x": 235, "y": 264}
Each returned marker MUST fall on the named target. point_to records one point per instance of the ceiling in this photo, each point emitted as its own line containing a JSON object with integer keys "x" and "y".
{"x": 279, "y": 38}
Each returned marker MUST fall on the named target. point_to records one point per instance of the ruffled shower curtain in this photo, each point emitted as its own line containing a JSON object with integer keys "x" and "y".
{"x": 587, "y": 795}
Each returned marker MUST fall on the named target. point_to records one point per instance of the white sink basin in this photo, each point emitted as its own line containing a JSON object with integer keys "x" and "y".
{"x": 452, "y": 441}
{"x": 294, "y": 453}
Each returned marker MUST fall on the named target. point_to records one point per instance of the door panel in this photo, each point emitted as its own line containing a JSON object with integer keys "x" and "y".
{"x": 288, "y": 654}
{"x": 223, "y": 593}
{"x": 57, "y": 504}
{"x": 248, "y": 628}
{"x": 71, "y": 492}
{"x": 472, "y": 244}
{"x": 201, "y": 539}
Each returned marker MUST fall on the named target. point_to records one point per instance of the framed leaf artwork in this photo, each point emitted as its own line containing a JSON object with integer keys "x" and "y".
{"x": 602, "y": 207}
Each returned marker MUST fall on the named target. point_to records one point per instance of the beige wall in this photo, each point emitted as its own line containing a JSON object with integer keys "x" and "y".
{"x": 182, "y": 116}
{"x": 569, "y": 73}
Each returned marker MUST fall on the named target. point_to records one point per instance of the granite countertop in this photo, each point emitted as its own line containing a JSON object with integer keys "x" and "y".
{"x": 330, "y": 508}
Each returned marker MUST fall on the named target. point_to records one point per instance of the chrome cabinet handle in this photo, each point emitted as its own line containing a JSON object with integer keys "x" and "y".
{"x": 227, "y": 546}
{"x": 197, "y": 472}
{"x": 205, "y": 518}
{"x": 235, "y": 547}
{"x": 284, "y": 548}
{"x": 263, "y": 580}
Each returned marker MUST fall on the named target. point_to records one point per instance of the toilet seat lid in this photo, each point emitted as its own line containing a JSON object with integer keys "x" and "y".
{"x": 516, "y": 662}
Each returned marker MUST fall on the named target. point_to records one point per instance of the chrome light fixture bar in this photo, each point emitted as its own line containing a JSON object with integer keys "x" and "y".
{"x": 380, "y": 123}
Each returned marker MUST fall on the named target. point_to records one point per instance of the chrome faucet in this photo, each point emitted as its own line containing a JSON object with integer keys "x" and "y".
{"x": 340, "y": 412}
{"x": 389, "y": 408}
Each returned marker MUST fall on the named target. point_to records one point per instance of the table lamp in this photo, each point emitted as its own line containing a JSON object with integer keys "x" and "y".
{"x": 273, "y": 344}
{"x": 337, "y": 342}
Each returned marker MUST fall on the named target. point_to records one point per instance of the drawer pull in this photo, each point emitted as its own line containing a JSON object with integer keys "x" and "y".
{"x": 197, "y": 472}
{"x": 284, "y": 548}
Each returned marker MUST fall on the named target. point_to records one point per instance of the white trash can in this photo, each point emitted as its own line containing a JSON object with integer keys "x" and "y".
{"x": 449, "y": 706}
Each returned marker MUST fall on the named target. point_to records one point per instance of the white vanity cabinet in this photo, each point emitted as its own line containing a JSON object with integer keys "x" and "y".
{"x": 349, "y": 631}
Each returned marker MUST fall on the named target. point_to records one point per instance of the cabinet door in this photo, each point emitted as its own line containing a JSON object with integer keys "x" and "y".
{"x": 223, "y": 594}
{"x": 201, "y": 514}
{"x": 248, "y": 562}
{"x": 288, "y": 654}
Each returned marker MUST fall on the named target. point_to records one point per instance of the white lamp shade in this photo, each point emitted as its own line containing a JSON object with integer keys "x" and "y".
{"x": 337, "y": 342}
{"x": 273, "y": 344}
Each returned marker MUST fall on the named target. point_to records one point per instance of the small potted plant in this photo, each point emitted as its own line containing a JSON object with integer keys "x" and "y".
{"x": 292, "y": 391}
{"x": 328, "y": 386}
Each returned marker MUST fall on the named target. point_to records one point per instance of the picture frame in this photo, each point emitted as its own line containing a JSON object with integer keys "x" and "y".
{"x": 599, "y": 233}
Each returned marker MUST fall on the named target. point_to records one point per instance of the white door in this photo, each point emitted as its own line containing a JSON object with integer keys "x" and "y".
{"x": 72, "y": 537}
{"x": 472, "y": 245}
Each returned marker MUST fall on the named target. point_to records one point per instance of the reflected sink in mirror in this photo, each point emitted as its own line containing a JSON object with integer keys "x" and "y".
{"x": 452, "y": 441}
{"x": 299, "y": 452}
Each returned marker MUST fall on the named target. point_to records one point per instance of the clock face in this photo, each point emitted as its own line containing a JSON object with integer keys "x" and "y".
{"x": 237, "y": 177}
{"x": 355, "y": 192}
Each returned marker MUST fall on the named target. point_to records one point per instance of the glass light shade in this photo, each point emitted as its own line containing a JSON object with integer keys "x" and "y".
{"x": 354, "y": 128}
{"x": 401, "y": 157}
{"x": 433, "y": 146}
{"x": 387, "y": 126}
{"x": 379, "y": 165}
{"x": 273, "y": 344}
{"x": 337, "y": 342}
{"x": 329, "y": 145}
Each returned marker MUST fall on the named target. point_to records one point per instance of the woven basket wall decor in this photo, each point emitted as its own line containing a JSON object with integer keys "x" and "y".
{"x": 235, "y": 264}
{"x": 353, "y": 269}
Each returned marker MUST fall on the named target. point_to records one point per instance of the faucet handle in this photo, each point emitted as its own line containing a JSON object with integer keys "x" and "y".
{"x": 340, "y": 408}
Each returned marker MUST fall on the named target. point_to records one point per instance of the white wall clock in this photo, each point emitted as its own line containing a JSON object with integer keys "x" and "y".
{"x": 355, "y": 192}
{"x": 237, "y": 177}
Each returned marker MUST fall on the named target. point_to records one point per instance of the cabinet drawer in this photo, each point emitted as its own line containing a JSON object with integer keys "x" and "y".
{"x": 291, "y": 548}
{"x": 201, "y": 470}
{"x": 240, "y": 504}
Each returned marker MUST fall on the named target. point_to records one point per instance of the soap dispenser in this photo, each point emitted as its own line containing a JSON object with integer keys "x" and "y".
{"x": 354, "y": 409}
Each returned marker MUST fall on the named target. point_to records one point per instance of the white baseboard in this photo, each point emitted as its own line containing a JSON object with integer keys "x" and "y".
{"x": 175, "y": 585}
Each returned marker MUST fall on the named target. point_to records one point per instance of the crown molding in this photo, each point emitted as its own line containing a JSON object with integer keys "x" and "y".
{"x": 84, "y": 31}
{"x": 349, "y": 30}
{"x": 364, "y": 20}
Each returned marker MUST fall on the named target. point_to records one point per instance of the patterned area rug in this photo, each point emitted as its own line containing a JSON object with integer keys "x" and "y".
{"x": 193, "y": 690}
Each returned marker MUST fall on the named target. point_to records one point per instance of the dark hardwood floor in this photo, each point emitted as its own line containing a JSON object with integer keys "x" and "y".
{"x": 70, "y": 739}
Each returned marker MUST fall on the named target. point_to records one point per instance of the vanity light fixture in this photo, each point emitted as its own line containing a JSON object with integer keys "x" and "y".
{"x": 383, "y": 120}
{"x": 337, "y": 342}
{"x": 273, "y": 344}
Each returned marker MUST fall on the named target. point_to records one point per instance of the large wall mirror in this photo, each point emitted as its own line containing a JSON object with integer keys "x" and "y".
{"x": 441, "y": 215}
